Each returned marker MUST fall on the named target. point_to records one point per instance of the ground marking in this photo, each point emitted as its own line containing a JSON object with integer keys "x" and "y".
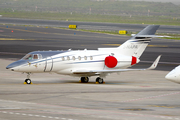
{"x": 31, "y": 115}
{"x": 151, "y": 97}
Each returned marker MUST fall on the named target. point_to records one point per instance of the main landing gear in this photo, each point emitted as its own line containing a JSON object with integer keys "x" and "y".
{"x": 28, "y": 80}
{"x": 86, "y": 80}
{"x": 99, "y": 80}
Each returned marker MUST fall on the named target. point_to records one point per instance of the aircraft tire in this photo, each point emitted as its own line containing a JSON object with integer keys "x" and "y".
{"x": 28, "y": 81}
{"x": 99, "y": 80}
{"x": 84, "y": 79}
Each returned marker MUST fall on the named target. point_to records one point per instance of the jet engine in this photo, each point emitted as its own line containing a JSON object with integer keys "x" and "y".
{"x": 120, "y": 61}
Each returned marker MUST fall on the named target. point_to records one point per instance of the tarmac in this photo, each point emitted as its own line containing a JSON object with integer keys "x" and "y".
{"x": 129, "y": 96}
{"x": 135, "y": 95}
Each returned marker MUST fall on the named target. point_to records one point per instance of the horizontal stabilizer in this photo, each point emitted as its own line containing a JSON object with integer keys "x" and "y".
{"x": 149, "y": 36}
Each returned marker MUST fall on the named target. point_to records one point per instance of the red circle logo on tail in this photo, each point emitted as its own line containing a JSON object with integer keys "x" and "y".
{"x": 111, "y": 61}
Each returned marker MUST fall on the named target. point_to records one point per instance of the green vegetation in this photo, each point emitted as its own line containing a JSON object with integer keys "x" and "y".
{"x": 131, "y": 12}
{"x": 92, "y": 7}
{"x": 93, "y": 11}
{"x": 93, "y": 18}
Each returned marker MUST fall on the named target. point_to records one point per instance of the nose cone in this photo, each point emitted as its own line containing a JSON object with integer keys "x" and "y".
{"x": 174, "y": 75}
{"x": 13, "y": 66}
{"x": 170, "y": 76}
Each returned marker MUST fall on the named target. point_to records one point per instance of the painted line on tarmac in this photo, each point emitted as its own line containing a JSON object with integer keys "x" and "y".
{"x": 10, "y": 53}
{"x": 150, "y": 97}
{"x": 14, "y": 39}
{"x": 62, "y": 118}
{"x": 70, "y": 34}
{"x": 35, "y": 115}
{"x": 1, "y": 100}
{"x": 95, "y": 110}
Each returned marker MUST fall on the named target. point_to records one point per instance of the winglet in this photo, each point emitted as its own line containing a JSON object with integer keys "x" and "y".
{"x": 155, "y": 63}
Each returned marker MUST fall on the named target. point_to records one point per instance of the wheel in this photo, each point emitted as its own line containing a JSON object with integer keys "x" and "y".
{"x": 84, "y": 79}
{"x": 99, "y": 80}
{"x": 28, "y": 81}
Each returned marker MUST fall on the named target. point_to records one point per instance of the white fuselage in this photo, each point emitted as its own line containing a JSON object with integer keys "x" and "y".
{"x": 174, "y": 75}
{"x": 86, "y": 63}
{"x": 68, "y": 62}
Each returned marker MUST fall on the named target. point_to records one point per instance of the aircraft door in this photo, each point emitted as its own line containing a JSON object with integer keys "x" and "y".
{"x": 48, "y": 64}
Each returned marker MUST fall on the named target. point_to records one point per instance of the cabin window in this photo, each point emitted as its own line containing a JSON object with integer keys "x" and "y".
{"x": 91, "y": 58}
{"x": 68, "y": 58}
{"x": 85, "y": 57}
{"x": 79, "y": 57}
{"x": 62, "y": 58}
{"x": 73, "y": 58}
{"x": 40, "y": 56}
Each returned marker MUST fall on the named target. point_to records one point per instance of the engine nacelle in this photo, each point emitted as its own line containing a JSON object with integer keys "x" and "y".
{"x": 110, "y": 61}
{"x": 120, "y": 61}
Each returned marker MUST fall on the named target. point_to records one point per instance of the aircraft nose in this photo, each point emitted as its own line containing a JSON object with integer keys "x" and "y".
{"x": 172, "y": 76}
{"x": 169, "y": 76}
{"x": 8, "y": 67}
{"x": 13, "y": 65}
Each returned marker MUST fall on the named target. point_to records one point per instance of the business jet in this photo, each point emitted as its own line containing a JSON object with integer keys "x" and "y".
{"x": 174, "y": 75}
{"x": 86, "y": 63}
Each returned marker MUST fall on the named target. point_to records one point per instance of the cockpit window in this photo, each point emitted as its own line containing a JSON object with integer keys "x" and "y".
{"x": 32, "y": 57}
{"x": 35, "y": 57}
{"x": 27, "y": 57}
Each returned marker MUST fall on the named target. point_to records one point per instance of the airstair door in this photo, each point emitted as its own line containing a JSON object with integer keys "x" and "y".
{"x": 48, "y": 64}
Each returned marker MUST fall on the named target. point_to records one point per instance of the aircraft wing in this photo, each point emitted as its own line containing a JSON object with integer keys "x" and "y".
{"x": 153, "y": 66}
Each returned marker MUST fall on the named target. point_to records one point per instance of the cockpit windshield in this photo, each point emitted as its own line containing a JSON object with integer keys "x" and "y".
{"x": 32, "y": 57}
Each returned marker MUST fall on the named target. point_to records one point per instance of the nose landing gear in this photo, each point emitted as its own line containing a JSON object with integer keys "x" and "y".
{"x": 28, "y": 80}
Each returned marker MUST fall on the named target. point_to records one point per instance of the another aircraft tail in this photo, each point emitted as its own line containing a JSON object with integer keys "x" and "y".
{"x": 138, "y": 43}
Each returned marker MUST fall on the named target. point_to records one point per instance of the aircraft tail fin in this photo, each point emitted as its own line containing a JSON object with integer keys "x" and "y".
{"x": 138, "y": 43}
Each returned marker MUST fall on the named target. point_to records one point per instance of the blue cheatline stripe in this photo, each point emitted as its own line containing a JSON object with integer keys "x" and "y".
{"x": 44, "y": 60}
{"x": 86, "y": 62}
